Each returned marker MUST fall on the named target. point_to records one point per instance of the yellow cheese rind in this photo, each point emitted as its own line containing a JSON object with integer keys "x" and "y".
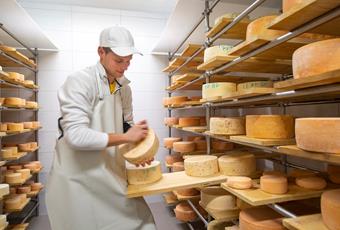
{"x": 144, "y": 175}
{"x": 200, "y": 166}
{"x": 330, "y": 206}
{"x": 259, "y": 27}
{"x": 217, "y": 198}
{"x": 254, "y": 85}
{"x": 274, "y": 184}
{"x": 184, "y": 212}
{"x": 16, "y": 76}
{"x": 237, "y": 163}
{"x": 4, "y": 190}
{"x": 227, "y": 125}
{"x": 178, "y": 166}
{"x": 214, "y": 51}
{"x": 218, "y": 89}
{"x": 311, "y": 182}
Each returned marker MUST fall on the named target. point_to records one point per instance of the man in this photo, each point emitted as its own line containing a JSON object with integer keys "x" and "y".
{"x": 87, "y": 182}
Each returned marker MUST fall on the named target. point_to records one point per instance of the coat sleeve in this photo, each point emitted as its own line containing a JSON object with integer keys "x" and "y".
{"x": 127, "y": 104}
{"x": 76, "y": 98}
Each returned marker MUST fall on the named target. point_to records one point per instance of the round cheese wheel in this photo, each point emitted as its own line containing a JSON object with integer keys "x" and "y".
{"x": 169, "y": 141}
{"x": 227, "y": 125}
{"x": 195, "y": 138}
{"x": 184, "y": 146}
{"x": 214, "y": 51}
{"x": 144, "y": 175}
{"x": 36, "y": 186}
{"x": 15, "y": 126}
{"x": 334, "y": 173}
{"x": 312, "y": 182}
{"x": 201, "y": 166}
{"x": 229, "y": 16}
{"x": 274, "y": 184}
{"x": 32, "y": 167}
{"x": 12, "y": 178}
{"x": 260, "y": 218}
{"x": 28, "y": 125}
{"x": 270, "y": 126}
{"x": 217, "y": 198}
{"x": 177, "y": 100}
{"x": 25, "y": 173}
{"x": 188, "y": 121}
{"x": 143, "y": 150}
{"x": 259, "y": 27}
{"x": 330, "y": 206}
{"x": 4, "y": 190}
{"x": 3, "y": 127}
{"x": 318, "y": 134}
{"x": 16, "y": 76}
{"x": 188, "y": 192}
{"x": 218, "y": 89}
{"x": 15, "y": 101}
{"x": 222, "y": 145}
{"x": 289, "y": 4}
{"x": 200, "y": 145}
{"x": 36, "y": 124}
{"x": 33, "y": 144}
{"x": 314, "y": 59}
{"x": 170, "y": 121}
{"x": 178, "y": 166}
{"x": 237, "y": 163}
{"x": 184, "y": 212}
{"x": 239, "y": 182}
{"x": 23, "y": 189}
{"x": 5, "y": 153}
{"x": 26, "y": 147}
{"x": 31, "y": 104}
{"x": 29, "y": 82}
{"x": 171, "y": 159}
{"x": 242, "y": 87}
{"x": 13, "y": 202}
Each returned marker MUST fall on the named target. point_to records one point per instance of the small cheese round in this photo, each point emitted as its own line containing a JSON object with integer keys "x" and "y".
{"x": 144, "y": 175}
{"x": 26, "y": 147}
{"x": 274, "y": 184}
{"x": 31, "y": 166}
{"x": 330, "y": 206}
{"x": 184, "y": 212}
{"x": 239, "y": 182}
{"x": 289, "y": 4}
{"x": 169, "y": 141}
{"x": 36, "y": 186}
{"x": 171, "y": 159}
{"x": 242, "y": 87}
{"x": 270, "y": 126}
{"x": 188, "y": 192}
{"x": 178, "y": 166}
{"x": 5, "y": 153}
{"x": 259, "y": 27}
{"x": 15, "y": 126}
{"x": 217, "y": 198}
{"x": 216, "y": 51}
{"x": 184, "y": 146}
{"x": 188, "y": 121}
{"x": 227, "y": 125}
{"x": 222, "y": 145}
{"x": 218, "y": 89}
{"x": 237, "y": 163}
{"x": 312, "y": 182}
{"x": 200, "y": 145}
{"x": 200, "y": 166}
{"x": 334, "y": 173}
{"x": 170, "y": 121}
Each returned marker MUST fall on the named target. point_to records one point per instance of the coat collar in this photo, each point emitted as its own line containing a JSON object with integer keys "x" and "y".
{"x": 102, "y": 73}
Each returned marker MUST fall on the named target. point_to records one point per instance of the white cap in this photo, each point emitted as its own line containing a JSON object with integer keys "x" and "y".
{"x": 119, "y": 40}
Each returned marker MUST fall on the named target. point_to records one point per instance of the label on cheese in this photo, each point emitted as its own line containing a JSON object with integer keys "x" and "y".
{"x": 201, "y": 166}
{"x": 216, "y": 51}
{"x": 144, "y": 175}
{"x": 227, "y": 125}
{"x": 184, "y": 146}
{"x": 218, "y": 89}
{"x": 254, "y": 85}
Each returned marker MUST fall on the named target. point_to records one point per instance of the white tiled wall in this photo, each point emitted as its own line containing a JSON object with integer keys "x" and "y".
{"x": 75, "y": 30}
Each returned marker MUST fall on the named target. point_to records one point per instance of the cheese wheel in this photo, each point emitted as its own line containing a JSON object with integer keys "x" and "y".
{"x": 200, "y": 145}
{"x": 170, "y": 121}
{"x": 259, "y": 27}
{"x": 4, "y": 189}
{"x": 2, "y": 100}
{"x": 15, "y": 101}
{"x": 36, "y": 186}
{"x": 184, "y": 146}
{"x": 289, "y": 4}
{"x": 312, "y": 182}
{"x": 260, "y": 218}
{"x": 169, "y": 141}
{"x": 36, "y": 124}
{"x": 330, "y": 206}
{"x": 33, "y": 144}
{"x": 270, "y": 126}
{"x": 16, "y": 76}
{"x": 184, "y": 212}
{"x": 12, "y": 178}
{"x": 239, "y": 182}
{"x": 316, "y": 58}
{"x": 31, "y": 104}
{"x": 15, "y": 126}
{"x": 300, "y": 173}
{"x": 178, "y": 166}
{"x": 5, "y": 153}
{"x": 200, "y": 166}
{"x": 273, "y": 173}
{"x": 188, "y": 192}
{"x": 144, "y": 175}
{"x": 143, "y": 150}
{"x": 25, "y": 173}
{"x": 242, "y": 87}
{"x": 26, "y": 147}
{"x": 23, "y": 189}
{"x": 227, "y": 125}
{"x": 29, "y": 82}
{"x": 218, "y": 89}
{"x": 217, "y": 198}
{"x": 14, "y": 167}
{"x": 242, "y": 204}
{"x": 237, "y": 163}
{"x": 333, "y": 173}
{"x": 3, "y": 127}
{"x": 28, "y": 125}
{"x": 32, "y": 167}
{"x": 318, "y": 134}
{"x": 171, "y": 159}
{"x": 222, "y": 145}
{"x": 274, "y": 184}
{"x": 177, "y": 100}
{"x": 216, "y": 51}
{"x": 165, "y": 101}
{"x": 13, "y": 202}
{"x": 188, "y": 121}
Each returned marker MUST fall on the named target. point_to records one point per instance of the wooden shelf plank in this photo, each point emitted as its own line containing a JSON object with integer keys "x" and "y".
{"x": 191, "y": 49}
{"x": 263, "y": 142}
{"x": 174, "y": 64}
{"x": 236, "y": 32}
{"x": 199, "y": 129}
{"x": 308, "y": 222}
{"x": 227, "y": 215}
{"x": 171, "y": 181}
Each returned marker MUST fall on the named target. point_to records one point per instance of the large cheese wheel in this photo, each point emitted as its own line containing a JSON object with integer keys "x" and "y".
{"x": 237, "y": 163}
{"x": 25, "y": 147}
{"x": 260, "y": 218}
{"x": 270, "y": 126}
{"x": 201, "y": 166}
{"x": 144, "y": 150}
{"x": 15, "y": 101}
{"x": 178, "y": 166}
{"x": 217, "y": 198}
{"x": 184, "y": 212}
{"x": 28, "y": 125}
{"x": 13, "y": 150}
{"x": 200, "y": 145}
{"x": 312, "y": 182}
{"x": 188, "y": 192}
{"x": 334, "y": 173}
{"x": 170, "y": 121}
{"x": 218, "y": 89}
{"x": 171, "y": 159}
{"x": 242, "y": 87}
{"x": 318, "y": 134}
{"x": 221, "y": 145}
{"x": 289, "y": 4}
{"x": 144, "y": 175}
{"x": 240, "y": 182}
{"x": 175, "y": 100}
{"x": 36, "y": 186}
{"x": 274, "y": 184}
{"x": 16, "y": 76}
{"x": 214, "y": 51}
{"x": 330, "y": 206}
{"x": 25, "y": 173}
{"x": 184, "y": 146}
{"x": 227, "y": 125}
{"x": 188, "y": 121}
{"x": 15, "y": 126}
{"x": 4, "y": 190}
{"x": 12, "y": 178}
{"x": 169, "y": 141}
{"x": 316, "y": 58}
{"x": 13, "y": 202}
{"x": 259, "y": 27}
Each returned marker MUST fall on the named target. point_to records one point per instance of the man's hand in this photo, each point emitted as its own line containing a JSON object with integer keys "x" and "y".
{"x": 137, "y": 132}
{"x": 145, "y": 162}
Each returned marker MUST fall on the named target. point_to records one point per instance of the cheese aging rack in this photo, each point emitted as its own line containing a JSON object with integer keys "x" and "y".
{"x": 324, "y": 92}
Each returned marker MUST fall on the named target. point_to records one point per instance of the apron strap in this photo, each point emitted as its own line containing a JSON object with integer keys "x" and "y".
{"x": 60, "y": 128}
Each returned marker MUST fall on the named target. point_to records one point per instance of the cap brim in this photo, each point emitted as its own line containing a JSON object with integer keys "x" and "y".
{"x": 125, "y": 51}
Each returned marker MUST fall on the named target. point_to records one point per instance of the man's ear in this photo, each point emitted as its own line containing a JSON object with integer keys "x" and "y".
{"x": 100, "y": 51}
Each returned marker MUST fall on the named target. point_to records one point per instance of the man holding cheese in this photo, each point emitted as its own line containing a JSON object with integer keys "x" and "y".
{"x": 87, "y": 182}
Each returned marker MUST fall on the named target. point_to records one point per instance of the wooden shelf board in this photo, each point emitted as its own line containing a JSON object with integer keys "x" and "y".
{"x": 236, "y": 32}
{"x": 174, "y": 64}
{"x": 191, "y": 49}
{"x": 227, "y": 215}
{"x": 170, "y": 198}
{"x": 263, "y": 142}
{"x": 18, "y": 56}
{"x": 189, "y": 77}
{"x": 181, "y": 197}
{"x": 17, "y": 132}
{"x": 308, "y": 222}
{"x": 199, "y": 129}
{"x": 171, "y": 181}
{"x": 20, "y": 208}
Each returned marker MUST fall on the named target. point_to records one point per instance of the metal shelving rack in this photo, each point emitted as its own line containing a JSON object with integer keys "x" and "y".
{"x": 281, "y": 100}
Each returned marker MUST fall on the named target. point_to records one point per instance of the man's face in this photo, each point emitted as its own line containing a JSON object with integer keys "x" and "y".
{"x": 114, "y": 65}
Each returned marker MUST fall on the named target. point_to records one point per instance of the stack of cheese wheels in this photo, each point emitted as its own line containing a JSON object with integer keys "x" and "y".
{"x": 144, "y": 175}
{"x": 215, "y": 198}
{"x": 201, "y": 166}
{"x": 333, "y": 173}
{"x": 15, "y": 127}
{"x": 289, "y": 4}
{"x": 227, "y": 125}
{"x": 184, "y": 212}
{"x": 16, "y": 76}
{"x": 311, "y": 182}
{"x": 244, "y": 87}
{"x": 218, "y": 89}
{"x": 216, "y": 51}
{"x": 144, "y": 150}
{"x": 171, "y": 159}
{"x": 330, "y": 206}
{"x": 28, "y": 125}
{"x": 184, "y": 146}
{"x": 270, "y": 126}
{"x": 177, "y": 100}
{"x": 237, "y": 163}
{"x": 178, "y": 166}
{"x": 189, "y": 121}
{"x": 222, "y": 145}
{"x": 36, "y": 124}
{"x": 239, "y": 182}
{"x": 314, "y": 59}
{"x": 31, "y": 105}
{"x": 318, "y": 134}
{"x": 274, "y": 184}
{"x": 169, "y": 141}
{"x": 260, "y": 218}
{"x": 3, "y": 127}
{"x": 4, "y": 190}
{"x": 230, "y": 16}
{"x": 200, "y": 145}
{"x": 188, "y": 192}
{"x": 15, "y": 101}
{"x": 170, "y": 121}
